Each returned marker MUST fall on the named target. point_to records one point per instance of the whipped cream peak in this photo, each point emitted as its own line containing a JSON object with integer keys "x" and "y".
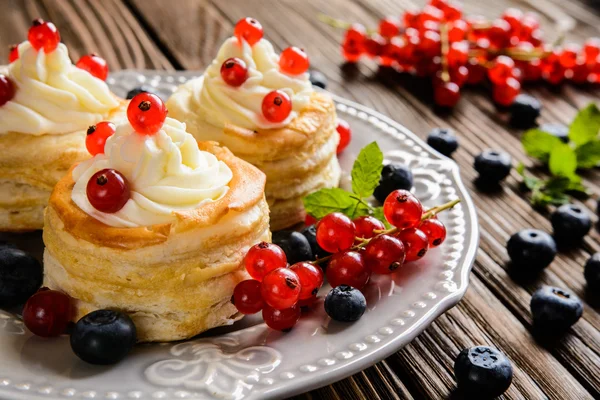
{"x": 166, "y": 171}
{"x": 221, "y": 104}
{"x": 53, "y": 96}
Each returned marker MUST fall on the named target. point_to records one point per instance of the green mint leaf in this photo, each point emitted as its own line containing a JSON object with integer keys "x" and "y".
{"x": 358, "y": 210}
{"x": 557, "y": 184}
{"x": 563, "y": 161}
{"x": 585, "y": 126}
{"x": 588, "y": 154}
{"x": 326, "y": 201}
{"x": 378, "y": 213}
{"x": 366, "y": 170}
{"x": 539, "y": 144}
{"x": 531, "y": 182}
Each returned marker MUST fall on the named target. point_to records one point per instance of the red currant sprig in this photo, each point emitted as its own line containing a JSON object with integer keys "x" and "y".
{"x": 97, "y": 136}
{"x": 108, "y": 191}
{"x": 95, "y": 65}
{"x": 43, "y": 35}
{"x": 146, "y": 113}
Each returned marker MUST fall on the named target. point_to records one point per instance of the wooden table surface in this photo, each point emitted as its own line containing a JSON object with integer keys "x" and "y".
{"x": 186, "y": 34}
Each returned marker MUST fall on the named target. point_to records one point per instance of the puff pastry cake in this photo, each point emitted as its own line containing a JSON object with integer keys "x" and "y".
{"x": 43, "y": 127}
{"x": 296, "y": 148}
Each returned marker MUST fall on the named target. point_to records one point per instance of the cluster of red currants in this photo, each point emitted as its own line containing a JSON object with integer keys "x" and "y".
{"x": 358, "y": 249}
{"x": 277, "y": 104}
{"x": 437, "y": 41}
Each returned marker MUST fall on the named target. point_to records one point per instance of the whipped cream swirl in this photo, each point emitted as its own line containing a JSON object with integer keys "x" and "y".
{"x": 166, "y": 173}
{"x": 53, "y": 96}
{"x": 220, "y": 104}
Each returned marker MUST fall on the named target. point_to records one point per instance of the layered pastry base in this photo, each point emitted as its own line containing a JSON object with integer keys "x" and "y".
{"x": 43, "y": 129}
{"x": 297, "y": 153}
{"x": 173, "y": 254}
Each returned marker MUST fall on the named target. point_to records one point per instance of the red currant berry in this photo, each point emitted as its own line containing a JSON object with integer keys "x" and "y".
{"x": 505, "y": 94}
{"x": 43, "y": 35}
{"x": 310, "y": 220}
{"x": 13, "y": 53}
{"x": 249, "y": 30}
{"x": 374, "y": 45}
{"x": 47, "y": 313}
{"x": 276, "y": 106}
{"x": 263, "y": 258}
{"x": 281, "y": 320}
{"x": 95, "y": 65}
{"x": 415, "y": 242}
{"x": 410, "y": 18}
{"x": 430, "y": 13}
{"x": 476, "y": 73}
{"x": 458, "y": 54}
{"x": 234, "y": 71}
{"x": 146, "y": 113}
{"x": 294, "y": 61}
{"x": 389, "y": 27}
{"x": 108, "y": 191}
{"x": 529, "y": 23}
{"x": 393, "y": 52}
{"x": 429, "y": 46}
{"x": 459, "y": 75}
{"x": 247, "y": 297}
{"x": 532, "y": 70}
{"x": 499, "y": 33}
{"x": 311, "y": 279}
{"x": 280, "y": 288}
{"x": 458, "y": 31}
{"x": 435, "y": 231}
{"x": 97, "y": 135}
{"x": 580, "y": 72}
{"x": 335, "y": 232}
{"x": 7, "y": 90}
{"x": 513, "y": 16}
{"x": 591, "y": 49}
{"x": 502, "y": 69}
{"x": 366, "y": 225}
{"x": 446, "y": 94}
{"x": 353, "y": 44}
{"x": 452, "y": 11}
{"x": 568, "y": 58}
{"x": 402, "y": 209}
{"x": 348, "y": 268}
{"x": 384, "y": 254}
{"x": 343, "y": 129}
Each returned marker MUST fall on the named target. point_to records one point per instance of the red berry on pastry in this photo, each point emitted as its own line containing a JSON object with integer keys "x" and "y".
{"x": 281, "y": 320}
{"x": 13, "y": 53}
{"x": 276, "y": 106}
{"x": 415, "y": 243}
{"x": 311, "y": 279}
{"x": 146, "y": 113}
{"x": 263, "y": 258}
{"x": 7, "y": 90}
{"x": 294, "y": 61}
{"x": 47, "y": 313}
{"x": 402, "y": 209}
{"x": 95, "y": 65}
{"x": 435, "y": 231}
{"x": 384, "y": 254}
{"x": 97, "y": 135}
{"x": 343, "y": 129}
{"x": 108, "y": 191}
{"x": 44, "y": 35}
{"x": 366, "y": 225}
{"x": 335, "y": 232}
{"x": 348, "y": 268}
{"x": 234, "y": 71}
{"x": 281, "y": 288}
{"x": 248, "y": 29}
{"x": 247, "y": 298}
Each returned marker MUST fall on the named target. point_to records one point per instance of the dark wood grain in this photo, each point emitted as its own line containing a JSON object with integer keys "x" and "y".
{"x": 495, "y": 310}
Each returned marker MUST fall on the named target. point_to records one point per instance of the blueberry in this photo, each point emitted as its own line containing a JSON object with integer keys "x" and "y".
{"x": 554, "y": 310}
{"x": 310, "y": 233}
{"x": 20, "y": 276}
{"x": 135, "y": 91}
{"x": 570, "y": 223}
{"x": 592, "y": 272}
{"x": 493, "y": 165}
{"x": 393, "y": 176}
{"x": 561, "y": 131}
{"x": 294, "y": 244}
{"x": 345, "y": 304}
{"x": 524, "y": 111}
{"x": 318, "y": 79}
{"x": 103, "y": 337}
{"x": 532, "y": 249}
{"x": 483, "y": 372}
{"x": 443, "y": 140}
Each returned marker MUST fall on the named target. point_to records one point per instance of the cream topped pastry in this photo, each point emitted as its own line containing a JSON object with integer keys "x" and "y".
{"x": 164, "y": 171}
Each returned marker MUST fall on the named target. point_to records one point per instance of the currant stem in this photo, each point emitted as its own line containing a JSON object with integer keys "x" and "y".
{"x": 445, "y": 50}
{"x": 338, "y": 23}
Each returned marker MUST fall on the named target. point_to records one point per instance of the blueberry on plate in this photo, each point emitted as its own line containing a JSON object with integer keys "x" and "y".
{"x": 310, "y": 233}
{"x": 524, "y": 111}
{"x": 345, "y": 304}
{"x": 294, "y": 244}
{"x": 21, "y": 276}
{"x": 493, "y": 165}
{"x": 443, "y": 140}
{"x": 554, "y": 310}
{"x": 103, "y": 337}
{"x": 532, "y": 249}
{"x": 483, "y": 372}
{"x": 135, "y": 91}
{"x": 570, "y": 223}
{"x": 318, "y": 79}
{"x": 393, "y": 177}
{"x": 592, "y": 271}
{"x": 561, "y": 131}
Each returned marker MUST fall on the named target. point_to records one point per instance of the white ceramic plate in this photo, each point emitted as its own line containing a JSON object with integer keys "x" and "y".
{"x": 247, "y": 360}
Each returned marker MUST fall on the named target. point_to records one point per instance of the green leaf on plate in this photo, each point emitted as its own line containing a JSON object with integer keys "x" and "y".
{"x": 563, "y": 161}
{"x": 585, "y": 126}
{"x": 539, "y": 144}
{"x": 588, "y": 155}
{"x": 366, "y": 170}
{"x": 326, "y": 201}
